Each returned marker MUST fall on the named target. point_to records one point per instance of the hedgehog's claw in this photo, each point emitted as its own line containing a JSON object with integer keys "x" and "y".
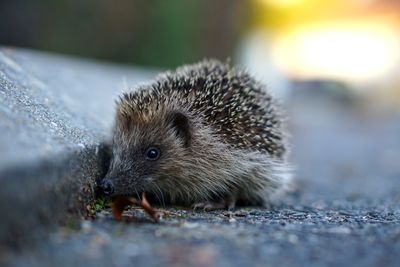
{"x": 210, "y": 206}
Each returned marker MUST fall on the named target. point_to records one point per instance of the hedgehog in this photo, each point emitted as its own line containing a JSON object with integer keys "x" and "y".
{"x": 207, "y": 135}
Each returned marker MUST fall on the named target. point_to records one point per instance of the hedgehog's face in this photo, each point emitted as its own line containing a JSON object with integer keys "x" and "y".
{"x": 146, "y": 152}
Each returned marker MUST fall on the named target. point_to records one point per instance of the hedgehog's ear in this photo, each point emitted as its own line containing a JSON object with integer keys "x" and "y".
{"x": 181, "y": 125}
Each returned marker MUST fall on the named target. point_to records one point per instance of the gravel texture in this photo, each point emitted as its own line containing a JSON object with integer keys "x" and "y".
{"x": 344, "y": 210}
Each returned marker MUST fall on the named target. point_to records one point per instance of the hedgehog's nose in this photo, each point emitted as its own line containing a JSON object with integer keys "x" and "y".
{"x": 107, "y": 187}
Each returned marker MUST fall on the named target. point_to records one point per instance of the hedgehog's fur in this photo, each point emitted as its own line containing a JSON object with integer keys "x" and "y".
{"x": 220, "y": 133}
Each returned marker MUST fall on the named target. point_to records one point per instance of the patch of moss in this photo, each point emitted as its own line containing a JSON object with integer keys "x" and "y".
{"x": 102, "y": 203}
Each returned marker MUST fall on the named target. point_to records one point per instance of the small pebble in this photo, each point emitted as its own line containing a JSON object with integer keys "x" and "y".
{"x": 232, "y": 220}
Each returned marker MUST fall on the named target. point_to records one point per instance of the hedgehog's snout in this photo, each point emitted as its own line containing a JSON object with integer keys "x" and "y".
{"x": 107, "y": 187}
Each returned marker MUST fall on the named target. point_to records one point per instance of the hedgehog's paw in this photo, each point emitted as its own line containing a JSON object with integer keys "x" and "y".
{"x": 209, "y": 206}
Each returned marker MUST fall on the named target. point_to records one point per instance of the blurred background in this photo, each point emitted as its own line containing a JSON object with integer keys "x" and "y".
{"x": 348, "y": 48}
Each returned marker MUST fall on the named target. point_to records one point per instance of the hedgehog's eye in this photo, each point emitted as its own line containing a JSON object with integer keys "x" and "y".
{"x": 153, "y": 153}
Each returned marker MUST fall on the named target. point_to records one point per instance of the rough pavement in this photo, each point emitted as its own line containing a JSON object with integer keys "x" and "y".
{"x": 345, "y": 211}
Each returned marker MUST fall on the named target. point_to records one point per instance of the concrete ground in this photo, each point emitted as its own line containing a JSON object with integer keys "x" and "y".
{"x": 343, "y": 212}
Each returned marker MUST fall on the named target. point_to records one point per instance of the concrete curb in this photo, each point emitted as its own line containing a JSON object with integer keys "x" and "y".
{"x": 55, "y": 113}
{"x": 46, "y": 193}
